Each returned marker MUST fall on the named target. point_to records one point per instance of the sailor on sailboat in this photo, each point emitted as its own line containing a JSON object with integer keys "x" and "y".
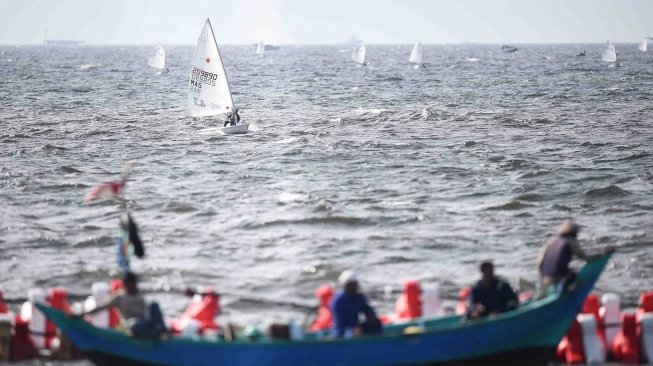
{"x": 358, "y": 54}
{"x": 416, "y": 55}
{"x": 158, "y": 58}
{"x": 609, "y": 53}
{"x": 208, "y": 87}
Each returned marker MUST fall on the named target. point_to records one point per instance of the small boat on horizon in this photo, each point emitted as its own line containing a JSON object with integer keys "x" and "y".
{"x": 508, "y": 49}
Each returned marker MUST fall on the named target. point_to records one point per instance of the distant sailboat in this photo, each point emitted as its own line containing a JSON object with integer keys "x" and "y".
{"x": 260, "y": 48}
{"x": 643, "y": 45}
{"x": 609, "y": 53}
{"x": 358, "y": 54}
{"x": 158, "y": 58}
{"x": 208, "y": 87}
{"x": 416, "y": 55}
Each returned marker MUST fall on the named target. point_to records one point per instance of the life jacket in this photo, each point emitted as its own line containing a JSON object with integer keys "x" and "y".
{"x": 202, "y": 310}
{"x": 324, "y": 318}
{"x": 408, "y": 305}
{"x": 626, "y": 347}
{"x": 114, "y": 316}
{"x": 463, "y": 297}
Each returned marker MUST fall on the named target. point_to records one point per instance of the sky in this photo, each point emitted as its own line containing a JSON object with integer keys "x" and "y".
{"x": 171, "y": 22}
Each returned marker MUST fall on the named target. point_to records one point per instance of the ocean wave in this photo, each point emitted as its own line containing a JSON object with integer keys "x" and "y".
{"x": 610, "y": 191}
{"x": 288, "y": 197}
{"x": 508, "y": 206}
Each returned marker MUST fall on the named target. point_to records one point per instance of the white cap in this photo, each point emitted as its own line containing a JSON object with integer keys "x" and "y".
{"x": 348, "y": 276}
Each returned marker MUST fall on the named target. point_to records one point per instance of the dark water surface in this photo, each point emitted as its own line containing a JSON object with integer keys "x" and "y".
{"x": 400, "y": 173}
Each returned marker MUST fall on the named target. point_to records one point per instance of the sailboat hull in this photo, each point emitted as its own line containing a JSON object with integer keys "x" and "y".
{"x": 235, "y": 130}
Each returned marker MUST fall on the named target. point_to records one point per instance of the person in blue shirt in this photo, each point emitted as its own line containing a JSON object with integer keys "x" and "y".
{"x": 348, "y": 305}
{"x": 490, "y": 295}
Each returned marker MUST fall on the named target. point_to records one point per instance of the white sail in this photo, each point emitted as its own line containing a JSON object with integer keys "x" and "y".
{"x": 260, "y": 48}
{"x": 609, "y": 53}
{"x": 417, "y": 54}
{"x": 208, "y": 88}
{"x": 643, "y": 45}
{"x": 158, "y": 58}
{"x": 359, "y": 54}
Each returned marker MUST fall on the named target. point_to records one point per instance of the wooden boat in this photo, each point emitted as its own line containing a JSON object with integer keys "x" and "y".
{"x": 528, "y": 335}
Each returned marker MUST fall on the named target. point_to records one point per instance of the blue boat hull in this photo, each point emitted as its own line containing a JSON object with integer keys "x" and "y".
{"x": 528, "y": 335}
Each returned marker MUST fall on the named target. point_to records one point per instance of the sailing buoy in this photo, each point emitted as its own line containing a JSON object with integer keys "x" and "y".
{"x": 35, "y": 319}
{"x": 6, "y": 320}
{"x": 570, "y": 349}
{"x": 626, "y": 344}
{"x": 324, "y": 319}
{"x": 591, "y": 306}
{"x": 22, "y": 346}
{"x": 408, "y": 305}
{"x": 646, "y": 336}
{"x": 3, "y": 306}
{"x": 431, "y": 303}
{"x": 58, "y": 299}
{"x": 593, "y": 346}
{"x": 610, "y": 314}
{"x": 202, "y": 310}
{"x": 645, "y": 303}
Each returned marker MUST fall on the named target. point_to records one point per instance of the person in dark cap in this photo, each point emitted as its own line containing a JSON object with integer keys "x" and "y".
{"x": 491, "y": 295}
{"x": 139, "y": 319}
{"x": 556, "y": 254}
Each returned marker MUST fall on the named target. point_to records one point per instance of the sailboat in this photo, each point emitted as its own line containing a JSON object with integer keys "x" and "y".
{"x": 158, "y": 58}
{"x": 643, "y": 45}
{"x": 358, "y": 54}
{"x": 609, "y": 53}
{"x": 260, "y": 48}
{"x": 208, "y": 87}
{"x": 416, "y": 55}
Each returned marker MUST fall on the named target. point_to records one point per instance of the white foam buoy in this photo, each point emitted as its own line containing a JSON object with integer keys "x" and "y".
{"x": 646, "y": 326}
{"x": 100, "y": 294}
{"x": 430, "y": 298}
{"x": 35, "y": 318}
{"x": 610, "y": 313}
{"x": 592, "y": 345}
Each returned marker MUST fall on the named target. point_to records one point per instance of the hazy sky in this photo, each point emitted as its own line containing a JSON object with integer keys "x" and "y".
{"x": 326, "y": 21}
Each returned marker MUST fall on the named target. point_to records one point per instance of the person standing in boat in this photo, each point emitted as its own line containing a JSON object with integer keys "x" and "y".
{"x": 140, "y": 320}
{"x": 232, "y": 118}
{"x": 556, "y": 254}
{"x": 491, "y": 295}
{"x": 347, "y": 305}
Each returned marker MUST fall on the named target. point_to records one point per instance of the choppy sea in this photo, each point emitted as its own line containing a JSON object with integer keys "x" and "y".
{"x": 397, "y": 172}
